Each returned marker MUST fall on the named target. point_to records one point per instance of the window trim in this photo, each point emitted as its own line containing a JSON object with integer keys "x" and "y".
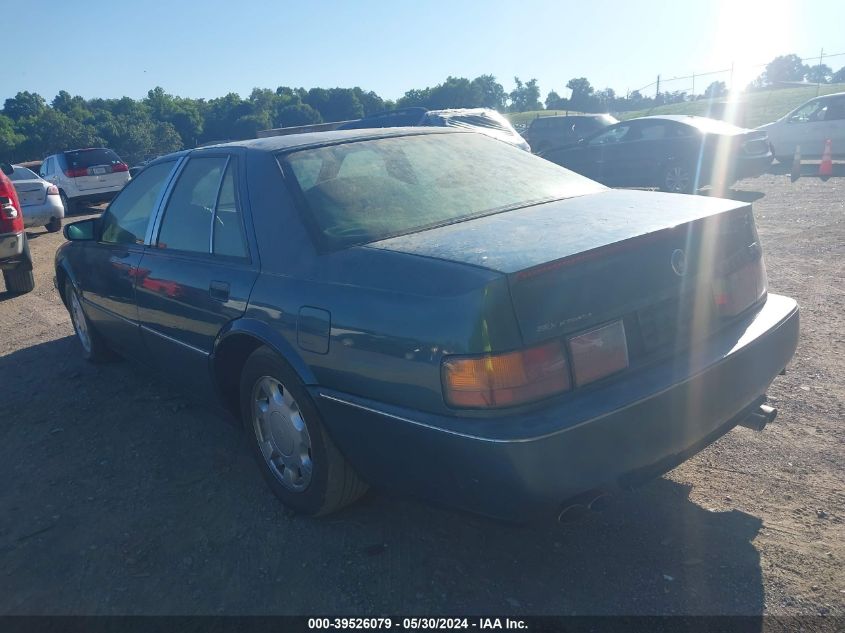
{"x": 155, "y": 227}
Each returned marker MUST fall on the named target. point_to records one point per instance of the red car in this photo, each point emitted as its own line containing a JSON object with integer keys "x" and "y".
{"x": 15, "y": 260}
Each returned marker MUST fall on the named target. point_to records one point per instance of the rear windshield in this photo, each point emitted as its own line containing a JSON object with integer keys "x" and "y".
{"x": 84, "y": 158}
{"x": 22, "y": 173}
{"x": 365, "y": 191}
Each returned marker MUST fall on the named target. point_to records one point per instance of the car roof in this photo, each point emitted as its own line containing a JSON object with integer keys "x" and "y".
{"x": 290, "y": 141}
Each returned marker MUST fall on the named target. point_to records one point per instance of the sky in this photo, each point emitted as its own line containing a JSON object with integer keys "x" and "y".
{"x": 208, "y": 48}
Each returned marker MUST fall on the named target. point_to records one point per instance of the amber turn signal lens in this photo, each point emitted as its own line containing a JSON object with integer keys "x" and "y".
{"x": 501, "y": 380}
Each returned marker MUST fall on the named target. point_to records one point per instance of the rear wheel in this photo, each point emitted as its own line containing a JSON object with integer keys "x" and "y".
{"x": 678, "y": 178}
{"x": 298, "y": 459}
{"x": 54, "y": 225}
{"x": 69, "y": 205}
{"x": 94, "y": 348}
{"x": 19, "y": 280}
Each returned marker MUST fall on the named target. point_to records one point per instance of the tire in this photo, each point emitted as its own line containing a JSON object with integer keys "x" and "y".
{"x": 67, "y": 203}
{"x": 297, "y": 458}
{"x": 19, "y": 280}
{"x": 94, "y": 347}
{"x": 677, "y": 178}
{"x": 54, "y": 225}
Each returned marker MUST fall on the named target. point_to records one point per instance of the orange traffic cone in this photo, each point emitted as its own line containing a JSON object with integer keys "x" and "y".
{"x": 796, "y": 164}
{"x": 826, "y": 167}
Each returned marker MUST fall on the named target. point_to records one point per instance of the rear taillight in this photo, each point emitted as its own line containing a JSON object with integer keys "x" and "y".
{"x": 120, "y": 167}
{"x": 8, "y": 211}
{"x": 502, "y": 380}
{"x": 598, "y": 353}
{"x": 52, "y": 190}
{"x": 76, "y": 173}
{"x": 742, "y": 282}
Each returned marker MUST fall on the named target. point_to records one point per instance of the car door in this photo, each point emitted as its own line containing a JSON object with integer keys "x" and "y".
{"x": 835, "y": 117}
{"x": 808, "y": 128}
{"x": 608, "y": 153}
{"x": 198, "y": 271}
{"x": 107, "y": 268}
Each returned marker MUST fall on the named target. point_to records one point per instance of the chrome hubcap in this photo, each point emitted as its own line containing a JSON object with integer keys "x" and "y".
{"x": 80, "y": 325}
{"x": 677, "y": 179}
{"x": 281, "y": 434}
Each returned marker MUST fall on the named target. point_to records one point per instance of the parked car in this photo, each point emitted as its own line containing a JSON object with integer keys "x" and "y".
{"x": 41, "y": 203}
{"x": 15, "y": 259}
{"x": 677, "y": 153}
{"x": 85, "y": 176}
{"x": 550, "y": 132}
{"x": 435, "y": 312}
{"x": 810, "y": 126}
{"x": 483, "y": 120}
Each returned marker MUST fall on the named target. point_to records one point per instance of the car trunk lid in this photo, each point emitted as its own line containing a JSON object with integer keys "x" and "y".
{"x": 31, "y": 192}
{"x": 646, "y": 258}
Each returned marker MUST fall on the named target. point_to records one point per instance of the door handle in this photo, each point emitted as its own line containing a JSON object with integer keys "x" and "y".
{"x": 219, "y": 290}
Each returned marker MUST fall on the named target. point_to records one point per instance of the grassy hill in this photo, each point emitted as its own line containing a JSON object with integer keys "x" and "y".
{"x": 753, "y": 109}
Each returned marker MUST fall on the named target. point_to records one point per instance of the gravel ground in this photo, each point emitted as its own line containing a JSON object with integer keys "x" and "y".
{"x": 121, "y": 496}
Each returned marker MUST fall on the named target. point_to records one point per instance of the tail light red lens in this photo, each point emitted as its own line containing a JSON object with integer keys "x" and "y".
{"x": 742, "y": 283}
{"x": 502, "y": 380}
{"x": 76, "y": 173}
{"x": 119, "y": 167}
{"x": 598, "y": 353}
{"x": 52, "y": 190}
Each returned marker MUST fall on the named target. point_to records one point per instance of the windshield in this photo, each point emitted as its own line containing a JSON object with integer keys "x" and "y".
{"x": 22, "y": 173}
{"x": 369, "y": 190}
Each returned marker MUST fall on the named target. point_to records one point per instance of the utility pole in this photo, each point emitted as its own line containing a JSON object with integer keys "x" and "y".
{"x": 819, "y": 80}
{"x": 657, "y": 91}
{"x": 693, "y": 86}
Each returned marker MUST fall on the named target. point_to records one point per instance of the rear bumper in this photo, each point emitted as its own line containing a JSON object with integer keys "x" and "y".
{"x": 751, "y": 167}
{"x": 11, "y": 246}
{"x": 96, "y": 197}
{"x": 527, "y": 464}
{"x": 41, "y": 214}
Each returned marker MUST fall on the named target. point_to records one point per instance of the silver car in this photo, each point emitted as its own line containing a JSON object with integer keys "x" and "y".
{"x": 809, "y": 127}
{"x": 42, "y": 205}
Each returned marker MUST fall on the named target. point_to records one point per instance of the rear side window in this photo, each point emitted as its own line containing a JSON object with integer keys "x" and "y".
{"x": 190, "y": 210}
{"x": 228, "y": 230}
{"x": 85, "y": 158}
{"x": 125, "y": 221}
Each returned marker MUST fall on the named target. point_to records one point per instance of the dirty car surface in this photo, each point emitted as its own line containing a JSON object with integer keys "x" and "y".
{"x": 433, "y": 311}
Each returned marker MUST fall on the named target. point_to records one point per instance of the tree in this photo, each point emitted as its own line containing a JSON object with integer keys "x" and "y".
{"x": 555, "y": 102}
{"x": 838, "y": 76}
{"x": 525, "y": 96}
{"x": 24, "y": 104}
{"x": 370, "y": 101}
{"x": 489, "y": 93}
{"x": 299, "y": 114}
{"x": 783, "y": 68}
{"x": 335, "y": 104}
{"x": 716, "y": 90}
{"x": 9, "y": 138}
{"x": 582, "y": 94}
{"x": 819, "y": 74}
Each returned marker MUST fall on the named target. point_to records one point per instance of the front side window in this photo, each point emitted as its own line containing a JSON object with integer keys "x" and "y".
{"x": 399, "y": 185}
{"x": 125, "y": 221}
{"x": 813, "y": 111}
{"x": 613, "y": 135}
{"x": 190, "y": 210}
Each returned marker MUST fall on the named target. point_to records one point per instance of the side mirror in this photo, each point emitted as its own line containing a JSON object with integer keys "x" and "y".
{"x": 7, "y": 169}
{"x": 81, "y": 231}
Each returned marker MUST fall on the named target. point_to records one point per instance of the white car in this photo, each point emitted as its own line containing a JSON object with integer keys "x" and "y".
{"x": 85, "y": 176}
{"x": 42, "y": 205}
{"x": 809, "y": 127}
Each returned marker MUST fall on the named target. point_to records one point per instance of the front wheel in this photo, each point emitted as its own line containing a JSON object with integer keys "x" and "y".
{"x": 678, "y": 178}
{"x": 298, "y": 459}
